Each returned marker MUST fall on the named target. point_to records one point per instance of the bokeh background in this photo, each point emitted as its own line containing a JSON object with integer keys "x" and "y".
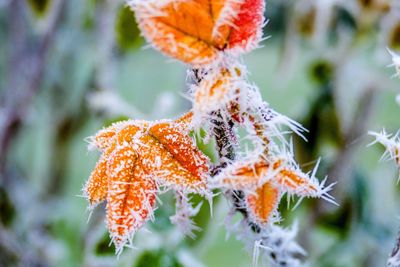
{"x": 70, "y": 67}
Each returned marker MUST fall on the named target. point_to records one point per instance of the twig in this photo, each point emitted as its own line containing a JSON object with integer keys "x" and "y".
{"x": 394, "y": 258}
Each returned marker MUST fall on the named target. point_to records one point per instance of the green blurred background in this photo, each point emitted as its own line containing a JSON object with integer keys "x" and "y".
{"x": 68, "y": 68}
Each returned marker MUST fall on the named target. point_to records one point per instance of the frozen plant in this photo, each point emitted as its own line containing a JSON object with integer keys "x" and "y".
{"x": 141, "y": 159}
{"x": 391, "y": 142}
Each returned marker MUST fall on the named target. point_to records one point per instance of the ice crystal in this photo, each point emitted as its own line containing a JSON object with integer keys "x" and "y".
{"x": 391, "y": 143}
{"x": 395, "y": 62}
{"x": 184, "y": 212}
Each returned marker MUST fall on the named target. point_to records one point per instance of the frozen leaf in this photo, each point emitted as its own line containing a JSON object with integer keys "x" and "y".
{"x": 96, "y": 188}
{"x": 263, "y": 202}
{"x": 173, "y": 159}
{"x": 264, "y": 181}
{"x": 197, "y": 31}
{"x": 137, "y": 158}
{"x": 130, "y": 198}
{"x": 216, "y": 90}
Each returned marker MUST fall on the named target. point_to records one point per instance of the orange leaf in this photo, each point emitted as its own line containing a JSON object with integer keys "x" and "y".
{"x": 244, "y": 176}
{"x": 131, "y": 195}
{"x": 97, "y": 186}
{"x": 185, "y": 121}
{"x": 296, "y": 182}
{"x": 250, "y": 174}
{"x": 196, "y": 31}
{"x": 137, "y": 156}
{"x": 263, "y": 202}
{"x": 181, "y": 148}
{"x": 104, "y": 138}
{"x": 216, "y": 90}
{"x": 107, "y": 136}
{"x": 173, "y": 159}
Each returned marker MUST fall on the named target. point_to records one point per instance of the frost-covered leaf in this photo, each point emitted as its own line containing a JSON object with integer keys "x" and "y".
{"x": 130, "y": 196}
{"x": 173, "y": 159}
{"x": 263, "y": 202}
{"x": 139, "y": 157}
{"x": 96, "y": 188}
{"x": 217, "y": 89}
{"x": 197, "y": 31}
{"x": 264, "y": 181}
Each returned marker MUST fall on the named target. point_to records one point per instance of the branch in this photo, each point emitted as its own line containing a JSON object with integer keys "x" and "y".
{"x": 394, "y": 259}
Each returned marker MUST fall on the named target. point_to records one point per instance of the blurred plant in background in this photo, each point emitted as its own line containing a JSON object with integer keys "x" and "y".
{"x": 68, "y": 68}
{"x": 391, "y": 143}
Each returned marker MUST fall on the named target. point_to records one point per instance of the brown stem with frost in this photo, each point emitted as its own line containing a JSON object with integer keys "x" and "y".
{"x": 225, "y": 145}
{"x": 394, "y": 258}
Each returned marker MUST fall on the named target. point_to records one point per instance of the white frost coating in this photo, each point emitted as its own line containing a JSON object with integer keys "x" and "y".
{"x": 221, "y": 84}
{"x": 273, "y": 244}
{"x": 184, "y": 213}
{"x": 219, "y": 92}
{"x": 150, "y": 8}
{"x": 310, "y": 187}
{"x": 396, "y": 62}
{"x": 390, "y": 142}
{"x": 147, "y": 9}
{"x": 228, "y": 14}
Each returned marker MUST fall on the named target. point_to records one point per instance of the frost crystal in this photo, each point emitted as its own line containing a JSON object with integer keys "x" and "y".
{"x": 184, "y": 212}
{"x": 279, "y": 246}
{"x": 272, "y": 243}
{"x": 391, "y": 144}
{"x": 396, "y": 62}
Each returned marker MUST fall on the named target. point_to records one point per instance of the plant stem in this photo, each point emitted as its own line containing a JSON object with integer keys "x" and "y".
{"x": 394, "y": 259}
